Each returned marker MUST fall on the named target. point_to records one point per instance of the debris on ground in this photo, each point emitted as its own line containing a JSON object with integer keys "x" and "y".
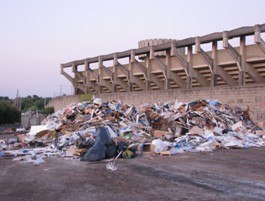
{"x": 96, "y": 130}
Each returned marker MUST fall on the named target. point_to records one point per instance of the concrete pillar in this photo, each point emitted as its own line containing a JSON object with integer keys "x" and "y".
{"x": 168, "y": 70}
{"x": 131, "y": 69}
{"x": 190, "y": 69}
{"x": 197, "y": 45}
{"x": 74, "y": 69}
{"x": 257, "y": 34}
{"x": 173, "y": 48}
{"x": 225, "y": 39}
{"x": 87, "y": 77}
{"x": 215, "y": 66}
{"x": 100, "y": 72}
{"x": 115, "y": 72}
{"x": 242, "y": 73}
{"x": 148, "y": 73}
{"x": 152, "y": 53}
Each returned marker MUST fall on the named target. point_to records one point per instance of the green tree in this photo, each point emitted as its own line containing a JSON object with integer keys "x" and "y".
{"x": 34, "y": 103}
{"x": 8, "y": 113}
{"x": 48, "y": 110}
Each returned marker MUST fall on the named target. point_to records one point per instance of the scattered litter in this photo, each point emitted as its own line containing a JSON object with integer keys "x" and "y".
{"x": 111, "y": 165}
{"x": 96, "y": 130}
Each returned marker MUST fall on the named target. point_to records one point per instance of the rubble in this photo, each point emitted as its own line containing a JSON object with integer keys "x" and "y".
{"x": 96, "y": 130}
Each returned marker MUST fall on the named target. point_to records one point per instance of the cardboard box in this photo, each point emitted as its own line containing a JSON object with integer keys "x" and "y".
{"x": 158, "y": 133}
{"x": 165, "y": 153}
{"x": 196, "y": 130}
{"x": 148, "y": 149}
{"x": 260, "y": 132}
{"x": 261, "y": 124}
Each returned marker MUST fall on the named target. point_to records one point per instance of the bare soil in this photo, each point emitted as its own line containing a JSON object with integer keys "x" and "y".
{"x": 237, "y": 174}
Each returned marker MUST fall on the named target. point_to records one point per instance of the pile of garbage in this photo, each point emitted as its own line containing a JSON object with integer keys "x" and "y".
{"x": 96, "y": 130}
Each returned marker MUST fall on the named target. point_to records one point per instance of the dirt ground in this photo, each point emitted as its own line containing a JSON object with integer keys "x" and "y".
{"x": 237, "y": 174}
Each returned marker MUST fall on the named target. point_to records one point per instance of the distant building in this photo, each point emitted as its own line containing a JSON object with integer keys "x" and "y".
{"x": 31, "y": 118}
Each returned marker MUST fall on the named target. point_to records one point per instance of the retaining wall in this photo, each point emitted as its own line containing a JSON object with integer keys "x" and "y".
{"x": 60, "y": 102}
{"x": 250, "y": 95}
{"x": 243, "y": 96}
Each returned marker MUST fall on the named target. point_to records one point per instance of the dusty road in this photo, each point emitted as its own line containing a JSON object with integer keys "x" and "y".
{"x": 221, "y": 175}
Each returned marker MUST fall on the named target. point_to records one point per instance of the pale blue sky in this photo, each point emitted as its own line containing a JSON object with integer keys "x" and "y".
{"x": 37, "y": 36}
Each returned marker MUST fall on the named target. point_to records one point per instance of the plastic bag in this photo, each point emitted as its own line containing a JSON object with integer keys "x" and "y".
{"x": 159, "y": 145}
{"x": 95, "y": 153}
{"x": 102, "y": 135}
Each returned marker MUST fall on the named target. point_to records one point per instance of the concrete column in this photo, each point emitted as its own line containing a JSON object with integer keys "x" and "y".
{"x": 168, "y": 70}
{"x": 173, "y": 48}
{"x": 100, "y": 73}
{"x": 132, "y": 57}
{"x": 242, "y": 73}
{"x": 215, "y": 66}
{"x": 152, "y": 53}
{"x": 257, "y": 34}
{"x": 225, "y": 39}
{"x": 114, "y": 70}
{"x": 74, "y": 69}
{"x": 87, "y": 77}
{"x": 190, "y": 69}
{"x": 148, "y": 73}
{"x": 131, "y": 70}
{"x": 197, "y": 45}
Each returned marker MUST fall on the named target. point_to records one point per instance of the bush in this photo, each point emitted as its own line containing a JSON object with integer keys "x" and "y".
{"x": 48, "y": 110}
{"x": 86, "y": 97}
{"x": 9, "y": 114}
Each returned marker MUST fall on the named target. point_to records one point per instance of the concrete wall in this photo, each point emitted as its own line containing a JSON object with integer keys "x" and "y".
{"x": 31, "y": 118}
{"x": 250, "y": 95}
{"x": 62, "y": 101}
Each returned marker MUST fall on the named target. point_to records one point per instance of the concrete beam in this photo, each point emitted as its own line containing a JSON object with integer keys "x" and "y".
{"x": 67, "y": 76}
{"x": 136, "y": 80}
{"x": 93, "y": 85}
{"x": 199, "y": 77}
{"x": 217, "y": 70}
{"x": 157, "y": 81}
{"x": 226, "y": 77}
{"x": 177, "y": 79}
{"x": 94, "y": 74}
{"x": 81, "y": 87}
{"x": 254, "y": 74}
{"x": 142, "y": 68}
{"x": 79, "y": 76}
{"x": 194, "y": 73}
{"x": 116, "y": 79}
{"x": 258, "y": 39}
{"x": 101, "y": 70}
{"x": 184, "y": 64}
{"x": 180, "y": 59}
{"x": 124, "y": 70}
{"x": 239, "y": 57}
{"x": 106, "y": 84}
{"x": 207, "y": 59}
{"x": 162, "y": 66}
{"x": 108, "y": 72}
{"x": 217, "y": 36}
{"x": 123, "y": 84}
{"x": 247, "y": 67}
{"x": 133, "y": 79}
{"x": 232, "y": 51}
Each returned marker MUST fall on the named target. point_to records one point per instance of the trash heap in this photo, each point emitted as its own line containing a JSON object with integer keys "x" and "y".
{"x": 96, "y": 130}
